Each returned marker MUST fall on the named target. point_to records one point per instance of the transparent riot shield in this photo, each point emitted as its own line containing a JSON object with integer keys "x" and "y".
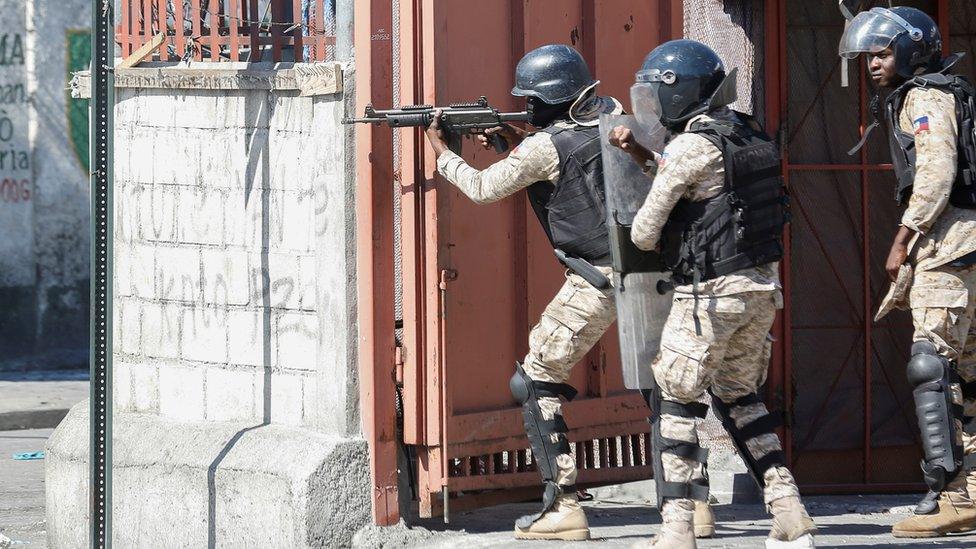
{"x": 641, "y": 308}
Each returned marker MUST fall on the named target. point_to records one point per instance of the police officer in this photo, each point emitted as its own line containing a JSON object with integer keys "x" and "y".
{"x": 718, "y": 226}
{"x": 929, "y": 119}
{"x": 561, "y": 169}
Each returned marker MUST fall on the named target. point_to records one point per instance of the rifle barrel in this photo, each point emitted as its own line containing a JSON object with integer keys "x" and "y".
{"x": 377, "y": 120}
{"x": 514, "y": 116}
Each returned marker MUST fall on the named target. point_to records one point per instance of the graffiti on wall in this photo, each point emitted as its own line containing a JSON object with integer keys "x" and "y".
{"x": 15, "y": 183}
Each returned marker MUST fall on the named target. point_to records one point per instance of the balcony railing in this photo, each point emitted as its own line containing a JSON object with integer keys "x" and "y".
{"x": 230, "y": 30}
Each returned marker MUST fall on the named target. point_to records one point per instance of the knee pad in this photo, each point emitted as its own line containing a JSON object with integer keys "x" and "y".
{"x": 540, "y": 432}
{"x": 931, "y": 378}
{"x": 763, "y": 425}
{"x": 697, "y": 489}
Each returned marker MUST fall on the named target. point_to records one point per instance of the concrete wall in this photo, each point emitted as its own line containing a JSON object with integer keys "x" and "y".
{"x": 235, "y": 390}
{"x": 44, "y": 230}
{"x": 215, "y": 260}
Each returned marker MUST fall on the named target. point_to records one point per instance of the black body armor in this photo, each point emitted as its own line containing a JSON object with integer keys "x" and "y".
{"x": 573, "y": 210}
{"x": 742, "y": 226}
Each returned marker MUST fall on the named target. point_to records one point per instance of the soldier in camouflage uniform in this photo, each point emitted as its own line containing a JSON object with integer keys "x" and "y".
{"x": 716, "y": 338}
{"x": 560, "y": 167}
{"x": 931, "y": 262}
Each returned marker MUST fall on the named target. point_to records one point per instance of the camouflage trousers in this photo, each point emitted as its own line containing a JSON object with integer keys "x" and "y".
{"x": 942, "y": 302}
{"x": 571, "y": 324}
{"x": 727, "y": 351}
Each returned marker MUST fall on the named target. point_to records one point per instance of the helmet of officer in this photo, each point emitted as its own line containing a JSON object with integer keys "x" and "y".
{"x": 554, "y": 73}
{"x": 912, "y": 35}
{"x": 679, "y": 80}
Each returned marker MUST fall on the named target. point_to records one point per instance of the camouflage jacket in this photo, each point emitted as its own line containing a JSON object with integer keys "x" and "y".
{"x": 944, "y": 233}
{"x": 691, "y": 167}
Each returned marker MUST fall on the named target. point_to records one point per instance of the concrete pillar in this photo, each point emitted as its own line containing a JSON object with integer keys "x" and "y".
{"x": 236, "y": 399}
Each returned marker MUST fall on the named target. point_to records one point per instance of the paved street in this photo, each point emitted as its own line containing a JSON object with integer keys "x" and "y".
{"x": 22, "y": 488}
{"x": 850, "y": 521}
{"x": 41, "y": 399}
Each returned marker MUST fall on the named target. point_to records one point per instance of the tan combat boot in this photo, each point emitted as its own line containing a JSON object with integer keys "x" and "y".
{"x": 704, "y": 520}
{"x": 792, "y": 526}
{"x": 566, "y": 521}
{"x": 971, "y": 491}
{"x": 674, "y": 535}
{"x": 956, "y": 513}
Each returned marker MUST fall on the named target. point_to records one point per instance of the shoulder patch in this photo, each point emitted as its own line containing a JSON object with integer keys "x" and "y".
{"x": 921, "y": 124}
{"x": 663, "y": 159}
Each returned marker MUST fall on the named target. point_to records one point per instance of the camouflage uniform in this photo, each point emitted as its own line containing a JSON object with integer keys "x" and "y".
{"x": 580, "y": 314}
{"x": 941, "y": 296}
{"x": 730, "y": 353}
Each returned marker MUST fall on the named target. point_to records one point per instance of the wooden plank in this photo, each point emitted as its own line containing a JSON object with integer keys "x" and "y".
{"x": 195, "y": 16}
{"x": 628, "y": 407}
{"x": 254, "y": 31}
{"x": 320, "y": 43}
{"x": 277, "y": 16}
{"x": 531, "y": 478}
{"x": 214, "y": 30}
{"x": 125, "y": 26}
{"x": 298, "y": 31}
{"x": 143, "y": 52}
{"x": 179, "y": 32}
{"x": 234, "y": 29}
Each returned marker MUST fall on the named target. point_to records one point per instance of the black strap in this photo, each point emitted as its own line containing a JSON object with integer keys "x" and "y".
{"x": 549, "y": 389}
{"x": 762, "y": 425}
{"x": 697, "y": 489}
{"x": 689, "y": 410}
{"x": 685, "y": 449}
{"x": 770, "y": 460}
{"x": 748, "y": 400}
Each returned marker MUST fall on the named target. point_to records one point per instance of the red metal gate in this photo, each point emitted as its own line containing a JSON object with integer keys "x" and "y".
{"x": 840, "y": 376}
{"x": 475, "y": 278}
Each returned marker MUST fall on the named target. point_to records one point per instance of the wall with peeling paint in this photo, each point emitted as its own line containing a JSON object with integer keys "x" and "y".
{"x": 44, "y": 216}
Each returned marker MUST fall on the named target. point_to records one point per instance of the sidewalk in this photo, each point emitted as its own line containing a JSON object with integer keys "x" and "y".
{"x": 39, "y": 400}
{"x": 22, "y": 489}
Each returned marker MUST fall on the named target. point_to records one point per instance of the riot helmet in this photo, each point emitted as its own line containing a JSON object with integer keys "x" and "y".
{"x": 554, "y": 74}
{"x": 679, "y": 80}
{"x": 912, "y": 35}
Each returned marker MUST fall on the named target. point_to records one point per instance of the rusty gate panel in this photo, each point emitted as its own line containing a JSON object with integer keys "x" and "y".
{"x": 476, "y": 278}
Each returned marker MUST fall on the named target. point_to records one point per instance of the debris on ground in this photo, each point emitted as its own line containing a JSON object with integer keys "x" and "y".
{"x": 398, "y": 535}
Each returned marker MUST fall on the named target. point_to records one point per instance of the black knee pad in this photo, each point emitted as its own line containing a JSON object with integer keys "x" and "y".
{"x": 540, "y": 430}
{"x": 931, "y": 377}
{"x": 764, "y": 425}
{"x": 697, "y": 489}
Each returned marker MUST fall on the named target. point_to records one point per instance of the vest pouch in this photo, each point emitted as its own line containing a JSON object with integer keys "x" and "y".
{"x": 628, "y": 258}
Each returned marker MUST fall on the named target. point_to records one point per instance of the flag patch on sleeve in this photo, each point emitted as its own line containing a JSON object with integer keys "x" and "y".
{"x": 662, "y": 160}
{"x": 921, "y": 125}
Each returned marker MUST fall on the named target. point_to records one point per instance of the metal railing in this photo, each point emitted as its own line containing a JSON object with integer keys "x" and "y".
{"x": 229, "y": 30}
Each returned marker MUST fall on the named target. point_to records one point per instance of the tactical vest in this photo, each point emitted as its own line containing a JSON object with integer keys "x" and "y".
{"x": 742, "y": 226}
{"x": 902, "y": 143}
{"x": 572, "y": 209}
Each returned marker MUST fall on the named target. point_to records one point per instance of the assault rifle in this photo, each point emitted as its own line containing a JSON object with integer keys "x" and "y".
{"x": 456, "y": 120}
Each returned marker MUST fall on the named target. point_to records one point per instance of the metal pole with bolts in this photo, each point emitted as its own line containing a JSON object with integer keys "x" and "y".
{"x": 100, "y": 410}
